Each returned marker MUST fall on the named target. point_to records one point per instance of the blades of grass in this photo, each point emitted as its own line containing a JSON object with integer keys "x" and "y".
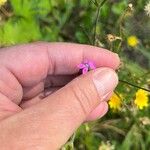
{"x": 114, "y": 128}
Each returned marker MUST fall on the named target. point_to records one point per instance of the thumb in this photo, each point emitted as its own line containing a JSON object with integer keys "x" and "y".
{"x": 53, "y": 121}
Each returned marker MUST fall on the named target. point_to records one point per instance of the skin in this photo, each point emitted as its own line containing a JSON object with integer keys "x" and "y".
{"x": 35, "y": 81}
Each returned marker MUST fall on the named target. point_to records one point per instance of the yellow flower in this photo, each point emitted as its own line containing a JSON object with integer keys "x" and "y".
{"x": 141, "y": 99}
{"x": 2, "y": 2}
{"x": 132, "y": 41}
{"x": 115, "y": 102}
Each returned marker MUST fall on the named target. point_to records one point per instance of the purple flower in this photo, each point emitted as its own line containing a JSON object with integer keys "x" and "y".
{"x": 86, "y": 66}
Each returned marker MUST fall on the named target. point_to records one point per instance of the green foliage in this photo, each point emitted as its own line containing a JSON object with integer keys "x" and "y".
{"x": 31, "y": 9}
{"x": 119, "y": 8}
{"x": 19, "y": 31}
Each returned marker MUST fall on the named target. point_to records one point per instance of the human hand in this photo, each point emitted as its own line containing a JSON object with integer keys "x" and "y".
{"x": 28, "y": 119}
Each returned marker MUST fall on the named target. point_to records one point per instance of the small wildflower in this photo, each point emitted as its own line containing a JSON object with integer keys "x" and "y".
{"x": 2, "y": 2}
{"x": 115, "y": 102}
{"x": 106, "y": 146}
{"x": 141, "y": 99}
{"x": 129, "y": 10}
{"x": 132, "y": 41}
{"x": 112, "y": 38}
{"x": 86, "y": 66}
{"x": 147, "y": 8}
{"x": 130, "y": 6}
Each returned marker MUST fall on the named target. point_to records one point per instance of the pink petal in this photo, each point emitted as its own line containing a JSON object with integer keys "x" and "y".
{"x": 92, "y": 66}
{"x": 85, "y": 70}
{"x": 81, "y": 66}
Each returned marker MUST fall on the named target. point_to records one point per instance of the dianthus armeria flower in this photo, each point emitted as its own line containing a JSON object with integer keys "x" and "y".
{"x": 147, "y": 8}
{"x": 115, "y": 102}
{"x": 2, "y": 2}
{"x": 86, "y": 66}
{"x": 141, "y": 99}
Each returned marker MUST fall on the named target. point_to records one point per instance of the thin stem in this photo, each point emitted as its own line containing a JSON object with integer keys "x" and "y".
{"x": 97, "y": 19}
{"x": 96, "y": 22}
{"x": 72, "y": 140}
{"x": 121, "y": 33}
{"x": 70, "y": 145}
{"x": 122, "y": 100}
{"x": 126, "y": 82}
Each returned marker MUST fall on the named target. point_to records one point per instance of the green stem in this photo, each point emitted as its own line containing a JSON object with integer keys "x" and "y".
{"x": 121, "y": 33}
{"x": 96, "y": 22}
{"x": 97, "y": 19}
{"x": 72, "y": 140}
{"x": 126, "y": 82}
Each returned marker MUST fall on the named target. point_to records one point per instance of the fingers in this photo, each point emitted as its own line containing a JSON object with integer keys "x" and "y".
{"x": 66, "y": 57}
{"x": 51, "y": 81}
{"x": 40, "y": 97}
{"x": 7, "y": 107}
{"x": 30, "y": 92}
{"x": 9, "y": 85}
{"x": 51, "y": 122}
{"x": 35, "y": 61}
{"x": 58, "y": 80}
{"x": 24, "y": 68}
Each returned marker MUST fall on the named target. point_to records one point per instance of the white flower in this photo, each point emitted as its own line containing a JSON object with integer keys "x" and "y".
{"x": 147, "y": 8}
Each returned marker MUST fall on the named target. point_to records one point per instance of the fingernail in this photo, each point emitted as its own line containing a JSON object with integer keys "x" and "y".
{"x": 105, "y": 81}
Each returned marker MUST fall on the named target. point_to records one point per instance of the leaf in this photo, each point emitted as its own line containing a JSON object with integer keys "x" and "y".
{"x": 30, "y": 8}
{"x": 119, "y": 7}
{"x": 20, "y": 31}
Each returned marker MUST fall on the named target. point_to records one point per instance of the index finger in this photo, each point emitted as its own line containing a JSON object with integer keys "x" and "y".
{"x": 31, "y": 63}
{"x": 66, "y": 56}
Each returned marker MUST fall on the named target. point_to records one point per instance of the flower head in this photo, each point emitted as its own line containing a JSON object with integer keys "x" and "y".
{"x": 86, "y": 66}
{"x": 106, "y": 146}
{"x": 147, "y": 8}
{"x": 115, "y": 102}
{"x": 130, "y": 7}
{"x": 132, "y": 41}
{"x": 141, "y": 99}
{"x": 2, "y": 2}
{"x": 112, "y": 38}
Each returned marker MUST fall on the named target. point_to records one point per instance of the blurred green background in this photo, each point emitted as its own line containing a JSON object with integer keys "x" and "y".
{"x": 24, "y": 21}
